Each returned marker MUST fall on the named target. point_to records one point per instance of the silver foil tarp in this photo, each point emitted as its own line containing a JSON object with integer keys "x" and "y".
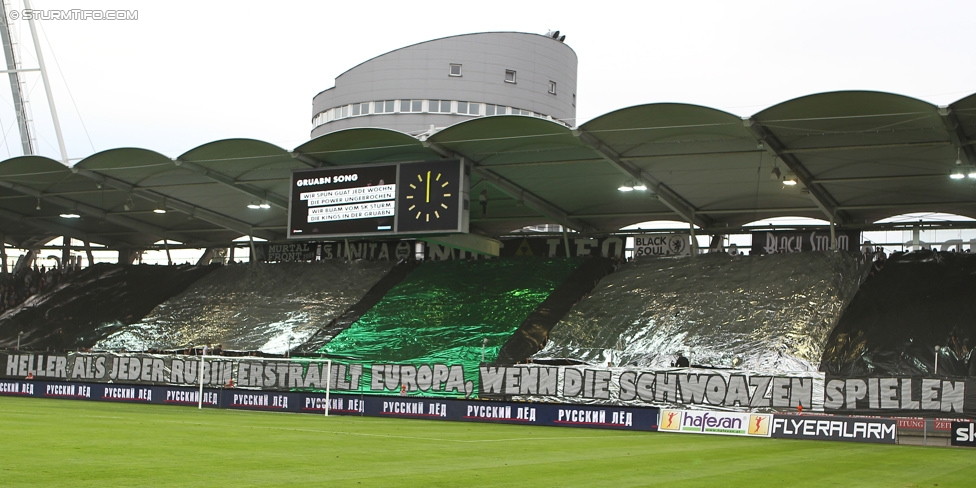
{"x": 769, "y": 313}
{"x": 266, "y": 307}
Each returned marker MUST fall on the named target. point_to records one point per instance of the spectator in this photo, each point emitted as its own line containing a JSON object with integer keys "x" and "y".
{"x": 15, "y": 289}
{"x": 682, "y": 361}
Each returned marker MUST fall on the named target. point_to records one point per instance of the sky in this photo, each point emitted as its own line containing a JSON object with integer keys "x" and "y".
{"x": 186, "y": 73}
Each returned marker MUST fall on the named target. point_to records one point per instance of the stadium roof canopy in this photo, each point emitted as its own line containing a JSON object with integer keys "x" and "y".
{"x": 858, "y": 157}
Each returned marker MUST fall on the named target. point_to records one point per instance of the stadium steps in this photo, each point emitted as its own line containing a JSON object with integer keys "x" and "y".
{"x": 353, "y": 313}
{"x": 533, "y": 334}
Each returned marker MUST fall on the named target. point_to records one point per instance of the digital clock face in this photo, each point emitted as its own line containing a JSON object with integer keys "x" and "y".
{"x": 429, "y": 196}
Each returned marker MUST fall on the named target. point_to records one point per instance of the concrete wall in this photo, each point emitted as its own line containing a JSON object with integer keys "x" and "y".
{"x": 422, "y": 71}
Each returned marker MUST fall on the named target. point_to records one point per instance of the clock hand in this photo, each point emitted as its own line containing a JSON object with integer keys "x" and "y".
{"x": 428, "y": 187}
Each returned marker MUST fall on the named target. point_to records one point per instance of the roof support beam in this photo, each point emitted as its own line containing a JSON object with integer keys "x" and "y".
{"x": 309, "y": 160}
{"x": 785, "y": 210}
{"x": 96, "y": 212}
{"x": 194, "y": 211}
{"x": 908, "y": 206}
{"x": 640, "y": 215}
{"x": 958, "y": 137}
{"x": 665, "y": 195}
{"x": 513, "y": 190}
{"x": 819, "y": 196}
{"x": 867, "y": 179}
{"x": 55, "y": 229}
{"x": 278, "y": 201}
{"x": 897, "y": 145}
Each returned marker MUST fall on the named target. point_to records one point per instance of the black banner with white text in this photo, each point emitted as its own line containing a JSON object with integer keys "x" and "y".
{"x": 822, "y": 428}
{"x": 523, "y": 413}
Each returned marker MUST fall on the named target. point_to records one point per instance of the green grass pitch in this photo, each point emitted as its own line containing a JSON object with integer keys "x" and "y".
{"x": 77, "y": 443}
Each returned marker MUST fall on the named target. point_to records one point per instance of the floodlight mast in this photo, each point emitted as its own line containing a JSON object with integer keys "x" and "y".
{"x": 47, "y": 86}
{"x": 15, "y": 89}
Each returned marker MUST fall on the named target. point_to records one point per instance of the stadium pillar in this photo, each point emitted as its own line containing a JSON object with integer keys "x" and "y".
{"x": 3, "y": 256}
{"x": 25, "y": 261}
{"x": 65, "y": 251}
{"x": 88, "y": 252}
{"x": 127, "y": 256}
{"x": 716, "y": 243}
{"x": 833, "y": 235}
{"x": 566, "y": 240}
{"x": 208, "y": 255}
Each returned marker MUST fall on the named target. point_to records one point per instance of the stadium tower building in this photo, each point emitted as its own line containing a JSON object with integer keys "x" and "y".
{"x": 425, "y": 87}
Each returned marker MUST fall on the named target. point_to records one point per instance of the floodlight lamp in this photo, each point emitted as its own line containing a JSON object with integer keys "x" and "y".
{"x": 640, "y": 186}
{"x": 159, "y": 210}
{"x": 254, "y": 205}
{"x": 70, "y": 216}
{"x": 790, "y": 179}
{"x": 264, "y": 205}
{"x": 625, "y": 187}
{"x": 972, "y": 173}
{"x": 957, "y": 174}
{"x": 775, "y": 174}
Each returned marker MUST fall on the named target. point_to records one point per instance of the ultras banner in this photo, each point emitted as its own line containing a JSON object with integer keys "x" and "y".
{"x": 768, "y": 242}
{"x": 604, "y": 417}
{"x": 715, "y": 388}
{"x": 662, "y": 245}
{"x": 582, "y": 385}
{"x": 900, "y": 395}
{"x": 814, "y": 427}
{"x": 720, "y": 389}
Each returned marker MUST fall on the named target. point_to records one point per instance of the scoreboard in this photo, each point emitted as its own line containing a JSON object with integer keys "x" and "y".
{"x": 418, "y": 198}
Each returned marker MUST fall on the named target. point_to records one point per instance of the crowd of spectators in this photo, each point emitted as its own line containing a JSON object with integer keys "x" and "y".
{"x": 16, "y": 289}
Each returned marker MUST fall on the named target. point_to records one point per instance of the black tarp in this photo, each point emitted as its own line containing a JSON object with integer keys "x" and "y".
{"x": 912, "y": 304}
{"x": 90, "y": 304}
